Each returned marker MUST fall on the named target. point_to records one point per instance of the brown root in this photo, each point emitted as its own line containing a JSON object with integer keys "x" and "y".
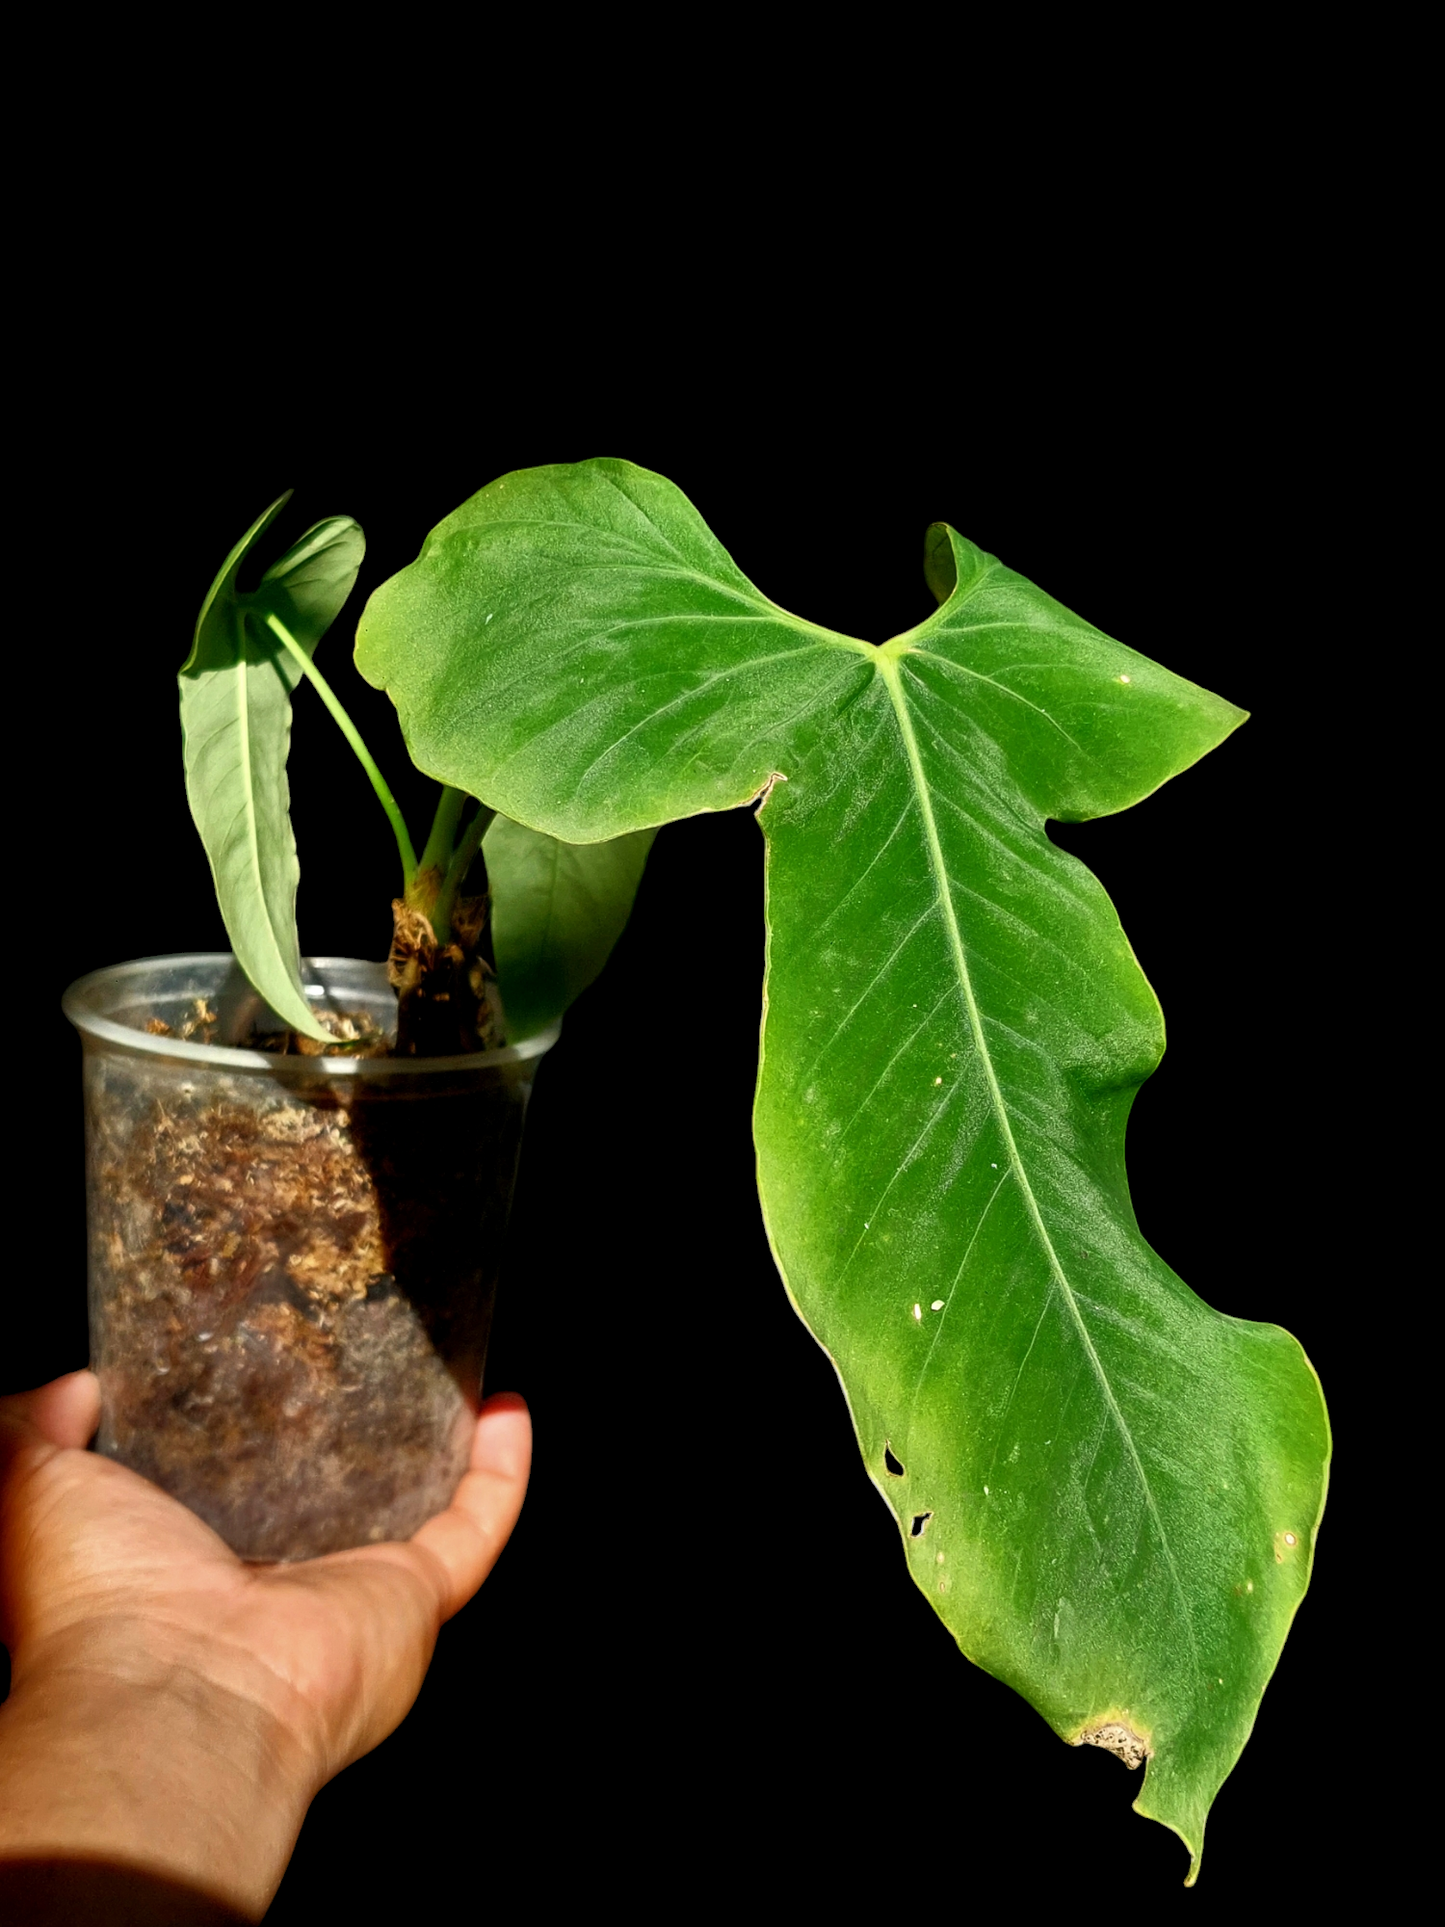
{"x": 446, "y": 994}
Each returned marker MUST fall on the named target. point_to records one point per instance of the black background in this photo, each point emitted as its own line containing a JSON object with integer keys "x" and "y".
{"x": 700, "y": 1669}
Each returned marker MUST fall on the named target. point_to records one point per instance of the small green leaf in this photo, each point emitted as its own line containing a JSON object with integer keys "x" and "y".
{"x": 235, "y": 691}
{"x": 308, "y": 587}
{"x": 1108, "y": 1491}
{"x": 557, "y": 910}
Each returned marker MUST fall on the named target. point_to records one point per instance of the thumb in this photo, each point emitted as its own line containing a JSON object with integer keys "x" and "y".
{"x": 63, "y": 1413}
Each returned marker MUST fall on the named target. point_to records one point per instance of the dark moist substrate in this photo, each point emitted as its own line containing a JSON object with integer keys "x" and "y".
{"x": 291, "y": 1290}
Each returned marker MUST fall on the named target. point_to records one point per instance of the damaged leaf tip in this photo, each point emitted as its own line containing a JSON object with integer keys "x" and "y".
{"x": 1120, "y": 1740}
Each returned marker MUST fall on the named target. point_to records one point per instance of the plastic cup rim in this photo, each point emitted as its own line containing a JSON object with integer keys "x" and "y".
{"x": 76, "y": 1005}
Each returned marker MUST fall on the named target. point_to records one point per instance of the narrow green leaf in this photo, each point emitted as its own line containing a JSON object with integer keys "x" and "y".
{"x": 235, "y": 689}
{"x": 1108, "y": 1491}
{"x": 557, "y": 910}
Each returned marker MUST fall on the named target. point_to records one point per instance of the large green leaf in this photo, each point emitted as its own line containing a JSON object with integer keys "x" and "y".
{"x": 1108, "y": 1491}
{"x": 558, "y": 908}
{"x": 236, "y": 689}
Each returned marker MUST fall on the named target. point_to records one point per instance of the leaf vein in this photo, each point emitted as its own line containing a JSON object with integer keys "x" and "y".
{"x": 955, "y": 937}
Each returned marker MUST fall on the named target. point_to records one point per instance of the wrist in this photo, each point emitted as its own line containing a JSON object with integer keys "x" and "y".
{"x": 188, "y": 1762}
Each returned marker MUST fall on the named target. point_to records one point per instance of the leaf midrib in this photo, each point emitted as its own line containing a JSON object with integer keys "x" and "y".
{"x": 243, "y": 724}
{"x": 888, "y": 668}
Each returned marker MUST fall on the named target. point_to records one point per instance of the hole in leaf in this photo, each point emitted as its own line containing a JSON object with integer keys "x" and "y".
{"x": 920, "y": 1520}
{"x": 892, "y": 1465}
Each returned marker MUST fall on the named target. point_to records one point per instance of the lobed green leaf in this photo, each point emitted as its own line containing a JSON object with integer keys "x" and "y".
{"x": 1108, "y": 1491}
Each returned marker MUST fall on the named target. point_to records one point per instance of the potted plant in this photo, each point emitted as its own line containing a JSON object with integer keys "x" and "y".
{"x": 1108, "y": 1492}
{"x": 300, "y": 1172}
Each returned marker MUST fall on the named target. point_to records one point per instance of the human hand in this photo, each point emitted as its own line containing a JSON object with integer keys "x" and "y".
{"x": 174, "y": 1711}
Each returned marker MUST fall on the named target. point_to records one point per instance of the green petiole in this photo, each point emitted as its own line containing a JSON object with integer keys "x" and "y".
{"x": 438, "y": 852}
{"x": 353, "y": 736}
{"x": 456, "y": 871}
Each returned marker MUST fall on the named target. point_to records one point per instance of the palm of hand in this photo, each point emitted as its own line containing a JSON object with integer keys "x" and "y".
{"x": 104, "y": 1578}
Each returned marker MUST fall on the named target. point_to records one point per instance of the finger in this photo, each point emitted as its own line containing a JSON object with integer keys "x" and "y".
{"x": 464, "y": 1541}
{"x": 65, "y": 1413}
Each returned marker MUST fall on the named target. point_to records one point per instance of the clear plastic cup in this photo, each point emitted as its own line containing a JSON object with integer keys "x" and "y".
{"x": 293, "y": 1260}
